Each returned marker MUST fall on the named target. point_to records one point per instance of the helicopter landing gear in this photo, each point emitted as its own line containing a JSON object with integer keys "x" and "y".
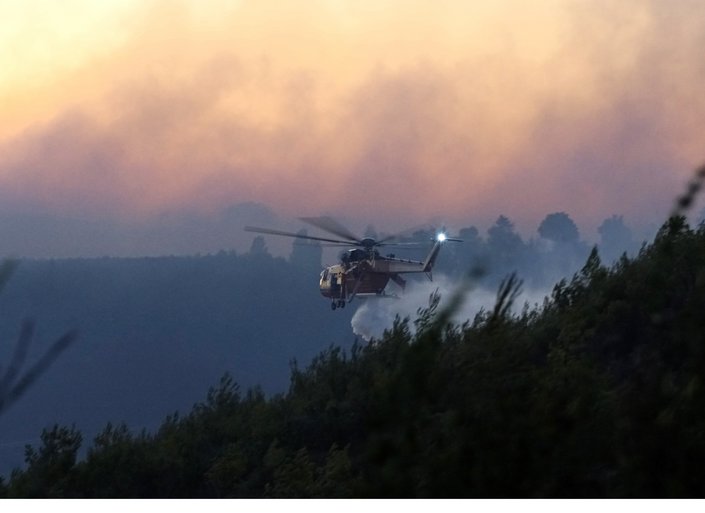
{"x": 340, "y": 303}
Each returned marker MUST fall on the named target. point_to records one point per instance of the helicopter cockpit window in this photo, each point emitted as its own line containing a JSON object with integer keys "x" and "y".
{"x": 324, "y": 275}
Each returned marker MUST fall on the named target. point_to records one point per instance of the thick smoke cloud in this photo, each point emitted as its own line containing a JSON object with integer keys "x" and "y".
{"x": 370, "y": 113}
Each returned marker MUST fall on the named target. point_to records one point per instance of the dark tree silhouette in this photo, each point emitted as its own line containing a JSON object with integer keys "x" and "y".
{"x": 505, "y": 250}
{"x": 258, "y": 247}
{"x": 559, "y": 227}
{"x": 615, "y": 238}
{"x": 306, "y": 254}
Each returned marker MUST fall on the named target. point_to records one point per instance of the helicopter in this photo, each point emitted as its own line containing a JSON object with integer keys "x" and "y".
{"x": 362, "y": 270}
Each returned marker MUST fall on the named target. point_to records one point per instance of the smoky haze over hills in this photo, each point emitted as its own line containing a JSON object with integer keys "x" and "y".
{"x": 156, "y": 332}
{"x": 44, "y": 235}
{"x": 39, "y": 233}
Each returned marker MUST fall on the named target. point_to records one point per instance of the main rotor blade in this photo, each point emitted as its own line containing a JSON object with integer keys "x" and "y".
{"x": 403, "y": 244}
{"x": 332, "y": 226}
{"x": 268, "y": 231}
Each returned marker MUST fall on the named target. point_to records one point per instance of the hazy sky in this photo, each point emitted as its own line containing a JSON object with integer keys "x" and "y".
{"x": 392, "y": 112}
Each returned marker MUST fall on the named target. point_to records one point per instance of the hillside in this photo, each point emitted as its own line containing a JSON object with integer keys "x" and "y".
{"x": 596, "y": 393}
{"x": 155, "y": 332}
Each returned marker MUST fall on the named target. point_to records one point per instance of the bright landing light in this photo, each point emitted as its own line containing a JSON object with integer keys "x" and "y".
{"x": 441, "y": 237}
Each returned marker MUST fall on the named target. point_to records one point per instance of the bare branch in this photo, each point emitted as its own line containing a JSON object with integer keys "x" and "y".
{"x": 18, "y": 357}
{"x": 38, "y": 369}
{"x": 13, "y": 384}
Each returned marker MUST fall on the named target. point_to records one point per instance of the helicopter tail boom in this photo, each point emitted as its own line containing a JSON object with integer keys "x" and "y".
{"x": 433, "y": 254}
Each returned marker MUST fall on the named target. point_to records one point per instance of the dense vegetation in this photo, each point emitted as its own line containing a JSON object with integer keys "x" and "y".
{"x": 155, "y": 332}
{"x": 598, "y": 392}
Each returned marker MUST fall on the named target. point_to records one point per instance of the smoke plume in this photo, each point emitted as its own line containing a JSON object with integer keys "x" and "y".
{"x": 377, "y": 314}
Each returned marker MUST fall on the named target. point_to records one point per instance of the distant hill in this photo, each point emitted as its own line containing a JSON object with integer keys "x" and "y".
{"x": 153, "y": 333}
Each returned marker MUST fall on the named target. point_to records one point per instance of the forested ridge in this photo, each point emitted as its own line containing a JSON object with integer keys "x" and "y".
{"x": 596, "y": 393}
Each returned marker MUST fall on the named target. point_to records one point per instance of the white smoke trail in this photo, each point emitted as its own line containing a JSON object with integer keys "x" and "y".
{"x": 374, "y": 315}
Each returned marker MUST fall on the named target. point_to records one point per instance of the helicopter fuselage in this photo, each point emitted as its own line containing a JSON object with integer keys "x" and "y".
{"x": 337, "y": 282}
{"x": 362, "y": 270}
{"x": 364, "y": 273}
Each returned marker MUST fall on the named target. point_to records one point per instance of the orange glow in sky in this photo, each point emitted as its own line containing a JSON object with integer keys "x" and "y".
{"x": 404, "y": 110}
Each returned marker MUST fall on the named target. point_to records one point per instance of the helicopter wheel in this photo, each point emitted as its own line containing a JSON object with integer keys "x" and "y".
{"x": 341, "y": 303}
{"x": 332, "y": 305}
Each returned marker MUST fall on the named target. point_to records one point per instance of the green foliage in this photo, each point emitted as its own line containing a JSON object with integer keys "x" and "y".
{"x": 49, "y": 471}
{"x": 597, "y": 393}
